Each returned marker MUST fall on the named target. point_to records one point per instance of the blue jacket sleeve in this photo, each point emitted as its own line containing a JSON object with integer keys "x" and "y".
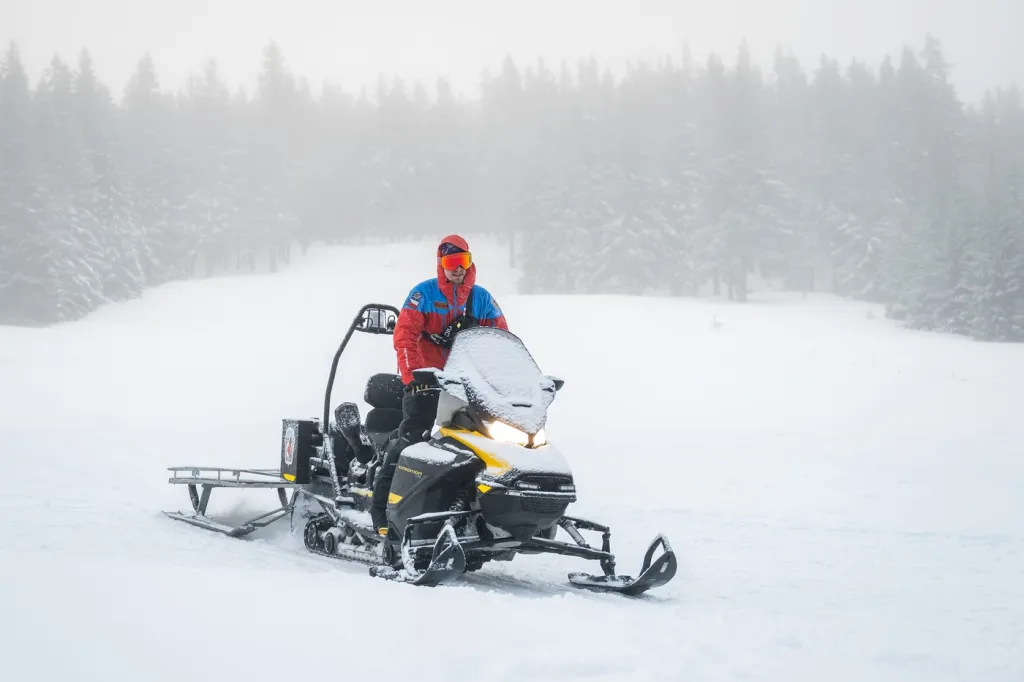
{"x": 487, "y": 310}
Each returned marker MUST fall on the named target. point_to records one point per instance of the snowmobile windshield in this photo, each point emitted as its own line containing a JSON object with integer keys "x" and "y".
{"x": 491, "y": 369}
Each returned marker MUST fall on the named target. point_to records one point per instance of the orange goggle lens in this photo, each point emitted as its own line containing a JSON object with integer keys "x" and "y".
{"x": 454, "y": 260}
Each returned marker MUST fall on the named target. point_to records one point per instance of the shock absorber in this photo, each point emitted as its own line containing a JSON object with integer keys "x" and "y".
{"x": 461, "y": 502}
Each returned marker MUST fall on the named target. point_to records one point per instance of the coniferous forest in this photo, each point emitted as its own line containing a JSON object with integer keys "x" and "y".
{"x": 686, "y": 178}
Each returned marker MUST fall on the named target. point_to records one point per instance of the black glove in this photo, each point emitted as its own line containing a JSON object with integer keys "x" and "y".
{"x": 422, "y": 381}
{"x": 458, "y": 324}
{"x": 447, "y": 335}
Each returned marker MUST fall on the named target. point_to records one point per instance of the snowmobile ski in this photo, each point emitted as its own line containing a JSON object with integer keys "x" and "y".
{"x": 651, "y": 574}
{"x": 447, "y": 563}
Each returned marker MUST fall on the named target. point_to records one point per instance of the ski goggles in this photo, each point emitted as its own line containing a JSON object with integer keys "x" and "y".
{"x": 455, "y": 260}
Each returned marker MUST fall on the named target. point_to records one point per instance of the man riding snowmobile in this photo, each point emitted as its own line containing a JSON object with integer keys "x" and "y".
{"x": 433, "y": 312}
{"x": 487, "y": 487}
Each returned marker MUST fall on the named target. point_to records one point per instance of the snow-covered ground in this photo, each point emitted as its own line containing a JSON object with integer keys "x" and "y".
{"x": 846, "y": 498}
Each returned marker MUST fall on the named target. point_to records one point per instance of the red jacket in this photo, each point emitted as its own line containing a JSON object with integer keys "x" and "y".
{"x": 430, "y": 307}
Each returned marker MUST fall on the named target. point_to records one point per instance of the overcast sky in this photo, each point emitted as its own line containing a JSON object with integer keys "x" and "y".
{"x": 349, "y": 43}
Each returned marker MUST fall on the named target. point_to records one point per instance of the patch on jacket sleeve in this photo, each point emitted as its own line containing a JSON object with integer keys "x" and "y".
{"x": 414, "y": 299}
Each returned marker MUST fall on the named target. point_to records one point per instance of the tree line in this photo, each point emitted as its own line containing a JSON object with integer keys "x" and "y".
{"x": 680, "y": 177}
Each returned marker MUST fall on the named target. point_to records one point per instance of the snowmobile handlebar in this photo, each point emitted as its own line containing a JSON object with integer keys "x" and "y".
{"x": 372, "y": 318}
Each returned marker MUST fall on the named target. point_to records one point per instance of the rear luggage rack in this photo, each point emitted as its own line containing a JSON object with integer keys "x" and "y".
{"x": 217, "y": 477}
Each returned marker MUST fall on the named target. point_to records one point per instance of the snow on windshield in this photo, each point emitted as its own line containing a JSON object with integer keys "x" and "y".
{"x": 496, "y": 373}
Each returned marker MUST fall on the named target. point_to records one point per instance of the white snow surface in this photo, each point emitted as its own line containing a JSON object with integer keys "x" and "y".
{"x": 428, "y": 453}
{"x": 844, "y": 496}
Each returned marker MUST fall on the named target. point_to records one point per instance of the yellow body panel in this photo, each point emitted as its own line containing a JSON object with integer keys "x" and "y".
{"x": 495, "y": 464}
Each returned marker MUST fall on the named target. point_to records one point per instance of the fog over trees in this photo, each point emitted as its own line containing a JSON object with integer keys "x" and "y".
{"x": 686, "y": 177}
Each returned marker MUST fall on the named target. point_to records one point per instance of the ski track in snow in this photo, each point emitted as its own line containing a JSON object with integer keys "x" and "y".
{"x": 843, "y": 495}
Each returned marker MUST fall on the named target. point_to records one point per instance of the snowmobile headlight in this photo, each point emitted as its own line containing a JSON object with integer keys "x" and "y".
{"x": 526, "y": 485}
{"x": 539, "y": 438}
{"x": 509, "y": 434}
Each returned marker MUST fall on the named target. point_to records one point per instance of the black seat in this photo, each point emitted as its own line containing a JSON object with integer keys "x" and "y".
{"x": 384, "y": 394}
{"x": 384, "y": 391}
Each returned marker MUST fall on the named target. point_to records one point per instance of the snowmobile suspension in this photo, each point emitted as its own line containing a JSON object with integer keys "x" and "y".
{"x": 461, "y": 502}
{"x": 571, "y": 526}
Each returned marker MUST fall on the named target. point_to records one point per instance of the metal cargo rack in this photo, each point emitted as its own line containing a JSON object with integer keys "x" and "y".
{"x": 217, "y": 477}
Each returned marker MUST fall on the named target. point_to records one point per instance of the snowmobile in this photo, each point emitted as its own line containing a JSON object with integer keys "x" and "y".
{"x": 484, "y": 486}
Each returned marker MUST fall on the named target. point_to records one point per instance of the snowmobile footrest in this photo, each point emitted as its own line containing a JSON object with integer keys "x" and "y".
{"x": 447, "y": 563}
{"x": 651, "y": 575}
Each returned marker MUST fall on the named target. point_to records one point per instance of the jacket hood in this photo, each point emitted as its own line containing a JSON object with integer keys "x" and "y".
{"x": 447, "y": 287}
